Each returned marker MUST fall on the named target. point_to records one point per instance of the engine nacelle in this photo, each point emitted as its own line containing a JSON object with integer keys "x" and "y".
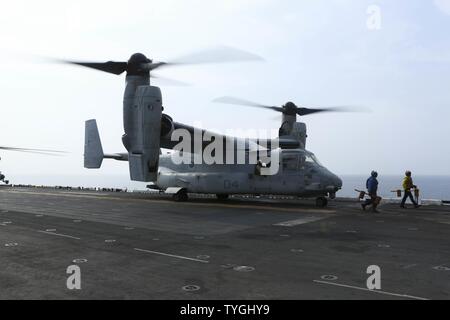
{"x": 299, "y": 133}
{"x": 142, "y": 137}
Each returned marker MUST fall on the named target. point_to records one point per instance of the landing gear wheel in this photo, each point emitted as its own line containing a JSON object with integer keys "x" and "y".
{"x": 321, "y": 202}
{"x": 181, "y": 196}
{"x": 222, "y": 196}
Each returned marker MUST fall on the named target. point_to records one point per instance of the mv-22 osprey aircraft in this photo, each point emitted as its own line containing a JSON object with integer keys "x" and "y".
{"x": 148, "y": 129}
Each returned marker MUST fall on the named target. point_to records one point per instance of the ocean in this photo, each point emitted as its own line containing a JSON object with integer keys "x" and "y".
{"x": 431, "y": 187}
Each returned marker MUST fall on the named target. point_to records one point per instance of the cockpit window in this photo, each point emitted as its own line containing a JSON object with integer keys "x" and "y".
{"x": 295, "y": 160}
{"x": 311, "y": 158}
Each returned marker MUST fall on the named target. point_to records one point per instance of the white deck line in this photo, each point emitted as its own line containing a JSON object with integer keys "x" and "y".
{"x": 374, "y": 291}
{"x": 59, "y": 234}
{"x": 171, "y": 255}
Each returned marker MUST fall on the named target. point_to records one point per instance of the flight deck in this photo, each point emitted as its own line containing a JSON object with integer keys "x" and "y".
{"x": 146, "y": 246}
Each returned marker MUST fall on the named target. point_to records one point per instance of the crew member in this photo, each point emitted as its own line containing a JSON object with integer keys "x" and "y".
{"x": 407, "y": 186}
{"x": 372, "y": 188}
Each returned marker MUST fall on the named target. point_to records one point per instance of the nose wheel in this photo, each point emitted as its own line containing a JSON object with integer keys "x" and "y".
{"x": 321, "y": 202}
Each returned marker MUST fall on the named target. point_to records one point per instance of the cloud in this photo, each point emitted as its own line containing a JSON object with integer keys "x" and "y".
{"x": 443, "y": 5}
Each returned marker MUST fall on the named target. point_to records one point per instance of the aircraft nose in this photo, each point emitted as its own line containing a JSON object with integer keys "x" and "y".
{"x": 332, "y": 180}
{"x": 339, "y": 183}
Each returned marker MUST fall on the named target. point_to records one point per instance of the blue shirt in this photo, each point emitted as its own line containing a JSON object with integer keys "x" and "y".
{"x": 372, "y": 185}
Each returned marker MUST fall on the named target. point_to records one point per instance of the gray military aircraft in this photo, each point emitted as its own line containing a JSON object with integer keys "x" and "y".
{"x": 148, "y": 129}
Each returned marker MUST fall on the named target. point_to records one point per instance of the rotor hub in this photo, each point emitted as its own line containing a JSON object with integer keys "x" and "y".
{"x": 290, "y": 109}
{"x": 136, "y": 65}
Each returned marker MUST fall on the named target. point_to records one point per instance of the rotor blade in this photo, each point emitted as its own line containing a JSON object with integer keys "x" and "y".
{"x": 110, "y": 66}
{"x": 38, "y": 151}
{"x": 42, "y": 153}
{"x": 168, "y": 81}
{"x": 242, "y": 102}
{"x": 220, "y": 54}
{"x": 308, "y": 111}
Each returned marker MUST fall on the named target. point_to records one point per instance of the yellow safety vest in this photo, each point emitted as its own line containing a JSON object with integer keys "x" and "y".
{"x": 407, "y": 183}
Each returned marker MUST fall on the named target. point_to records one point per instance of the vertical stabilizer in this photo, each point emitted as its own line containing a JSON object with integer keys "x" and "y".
{"x": 93, "y": 151}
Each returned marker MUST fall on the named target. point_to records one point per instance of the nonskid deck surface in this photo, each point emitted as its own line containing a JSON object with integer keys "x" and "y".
{"x": 145, "y": 246}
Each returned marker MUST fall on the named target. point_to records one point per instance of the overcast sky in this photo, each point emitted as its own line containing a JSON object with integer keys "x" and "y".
{"x": 317, "y": 53}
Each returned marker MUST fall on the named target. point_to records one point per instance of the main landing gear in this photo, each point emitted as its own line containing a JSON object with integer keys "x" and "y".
{"x": 181, "y": 196}
{"x": 321, "y": 202}
{"x": 222, "y": 196}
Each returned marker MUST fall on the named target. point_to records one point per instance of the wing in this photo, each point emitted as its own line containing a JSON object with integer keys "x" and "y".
{"x": 228, "y": 142}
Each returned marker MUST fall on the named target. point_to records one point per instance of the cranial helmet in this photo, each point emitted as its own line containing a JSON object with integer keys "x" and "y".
{"x": 374, "y": 174}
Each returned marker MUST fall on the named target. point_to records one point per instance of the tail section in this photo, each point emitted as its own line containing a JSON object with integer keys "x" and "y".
{"x": 93, "y": 151}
